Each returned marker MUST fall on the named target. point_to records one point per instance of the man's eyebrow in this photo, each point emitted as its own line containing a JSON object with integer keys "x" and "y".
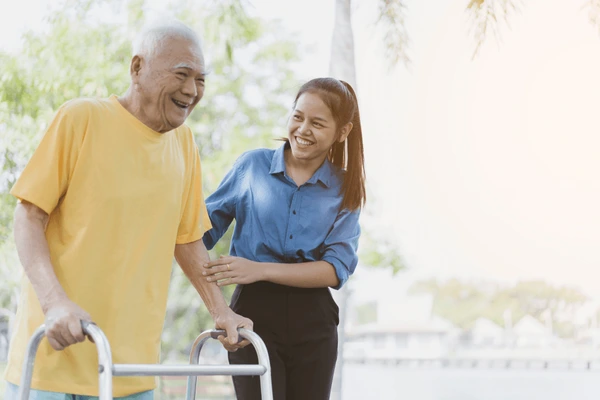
{"x": 187, "y": 66}
{"x": 183, "y": 65}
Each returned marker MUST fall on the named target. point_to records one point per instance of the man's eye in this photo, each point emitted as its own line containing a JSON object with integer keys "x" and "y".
{"x": 318, "y": 125}
{"x": 182, "y": 74}
{"x": 297, "y": 118}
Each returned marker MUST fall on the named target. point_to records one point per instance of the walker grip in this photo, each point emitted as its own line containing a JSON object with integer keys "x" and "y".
{"x": 221, "y": 332}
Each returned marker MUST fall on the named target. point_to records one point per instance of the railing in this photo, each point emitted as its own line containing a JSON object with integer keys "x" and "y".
{"x": 504, "y": 363}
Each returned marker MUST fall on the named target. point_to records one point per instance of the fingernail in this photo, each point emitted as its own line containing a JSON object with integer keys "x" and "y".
{"x": 204, "y": 273}
{"x": 208, "y": 279}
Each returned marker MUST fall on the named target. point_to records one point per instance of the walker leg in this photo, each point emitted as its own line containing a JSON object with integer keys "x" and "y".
{"x": 195, "y": 359}
{"x": 104, "y": 360}
{"x": 27, "y": 372}
{"x": 266, "y": 386}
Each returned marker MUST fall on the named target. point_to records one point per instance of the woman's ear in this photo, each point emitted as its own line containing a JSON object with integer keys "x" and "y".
{"x": 345, "y": 131}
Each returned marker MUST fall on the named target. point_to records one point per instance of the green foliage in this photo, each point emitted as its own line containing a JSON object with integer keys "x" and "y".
{"x": 380, "y": 252}
{"x": 10, "y": 287}
{"x": 462, "y": 302}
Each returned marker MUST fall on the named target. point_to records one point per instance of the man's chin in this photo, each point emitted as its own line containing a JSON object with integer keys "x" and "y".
{"x": 174, "y": 124}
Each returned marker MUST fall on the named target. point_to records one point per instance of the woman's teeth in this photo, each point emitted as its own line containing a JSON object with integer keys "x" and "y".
{"x": 303, "y": 142}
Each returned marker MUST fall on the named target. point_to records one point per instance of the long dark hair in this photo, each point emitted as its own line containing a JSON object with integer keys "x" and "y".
{"x": 341, "y": 100}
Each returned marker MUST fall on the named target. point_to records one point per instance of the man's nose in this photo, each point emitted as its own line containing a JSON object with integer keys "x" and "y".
{"x": 189, "y": 87}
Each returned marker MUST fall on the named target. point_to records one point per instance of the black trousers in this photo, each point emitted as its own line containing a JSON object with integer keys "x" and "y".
{"x": 299, "y": 328}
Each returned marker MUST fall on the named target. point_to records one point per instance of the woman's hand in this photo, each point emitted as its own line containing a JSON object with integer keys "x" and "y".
{"x": 229, "y": 270}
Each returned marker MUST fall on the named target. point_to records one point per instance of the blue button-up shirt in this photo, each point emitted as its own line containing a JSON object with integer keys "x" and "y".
{"x": 278, "y": 221}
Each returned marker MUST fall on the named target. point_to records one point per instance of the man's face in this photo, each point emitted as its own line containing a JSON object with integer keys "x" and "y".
{"x": 169, "y": 84}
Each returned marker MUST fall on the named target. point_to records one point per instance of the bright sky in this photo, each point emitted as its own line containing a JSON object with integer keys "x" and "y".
{"x": 477, "y": 168}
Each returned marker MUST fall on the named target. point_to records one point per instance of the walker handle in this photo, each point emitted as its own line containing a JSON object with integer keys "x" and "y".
{"x": 221, "y": 332}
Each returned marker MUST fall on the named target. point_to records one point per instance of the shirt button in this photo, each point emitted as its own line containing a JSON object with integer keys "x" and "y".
{"x": 294, "y": 212}
{"x": 291, "y": 236}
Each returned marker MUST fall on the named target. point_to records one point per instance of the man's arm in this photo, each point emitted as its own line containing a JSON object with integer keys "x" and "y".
{"x": 191, "y": 257}
{"x": 63, "y": 317}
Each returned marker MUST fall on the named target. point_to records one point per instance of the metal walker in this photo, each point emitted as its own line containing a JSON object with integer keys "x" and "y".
{"x": 106, "y": 368}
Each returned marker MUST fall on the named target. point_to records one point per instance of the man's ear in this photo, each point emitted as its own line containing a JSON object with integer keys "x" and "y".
{"x": 345, "y": 131}
{"x": 135, "y": 68}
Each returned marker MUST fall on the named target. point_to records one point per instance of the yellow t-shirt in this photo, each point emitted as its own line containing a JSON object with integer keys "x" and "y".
{"x": 120, "y": 196}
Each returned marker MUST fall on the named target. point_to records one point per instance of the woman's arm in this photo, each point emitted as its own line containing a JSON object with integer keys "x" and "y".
{"x": 237, "y": 270}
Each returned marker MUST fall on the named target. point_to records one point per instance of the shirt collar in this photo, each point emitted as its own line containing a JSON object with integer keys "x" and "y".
{"x": 324, "y": 174}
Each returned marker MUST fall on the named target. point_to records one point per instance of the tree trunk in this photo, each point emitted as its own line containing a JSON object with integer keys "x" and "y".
{"x": 341, "y": 62}
{"x": 342, "y": 66}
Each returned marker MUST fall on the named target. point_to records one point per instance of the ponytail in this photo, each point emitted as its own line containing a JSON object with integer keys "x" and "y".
{"x": 353, "y": 161}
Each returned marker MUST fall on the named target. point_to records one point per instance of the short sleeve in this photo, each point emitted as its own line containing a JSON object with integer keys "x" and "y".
{"x": 341, "y": 245}
{"x": 47, "y": 175}
{"x": 194, "y": 220}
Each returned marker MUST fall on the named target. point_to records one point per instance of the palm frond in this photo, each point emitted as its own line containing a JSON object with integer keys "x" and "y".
{"x": 487, "y": 16}
{"x": 391, "y": 18}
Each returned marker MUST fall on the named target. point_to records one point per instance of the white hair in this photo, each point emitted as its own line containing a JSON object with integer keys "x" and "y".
{"x": 150, "y": 39}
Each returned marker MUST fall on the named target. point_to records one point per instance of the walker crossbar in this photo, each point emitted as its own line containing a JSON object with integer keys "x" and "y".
{"x": 106, "y": 369}
{"x": 185, "y": 370}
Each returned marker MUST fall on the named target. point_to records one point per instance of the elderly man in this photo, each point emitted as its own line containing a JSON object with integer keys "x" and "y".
{"x": 111, "y": 193}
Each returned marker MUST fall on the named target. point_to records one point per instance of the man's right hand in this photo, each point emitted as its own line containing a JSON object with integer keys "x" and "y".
{"x": 63, "y": 324}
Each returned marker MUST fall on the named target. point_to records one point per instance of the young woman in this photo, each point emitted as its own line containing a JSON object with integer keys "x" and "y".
{"x": 296, "y": 234}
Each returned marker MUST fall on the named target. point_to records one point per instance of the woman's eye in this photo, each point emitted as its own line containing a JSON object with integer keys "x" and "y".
{"x": 297, "y": 118}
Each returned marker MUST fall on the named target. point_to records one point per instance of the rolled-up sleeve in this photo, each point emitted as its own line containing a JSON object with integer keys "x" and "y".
{"x": 341, "y": 245}
{"x": 221, "y": 207}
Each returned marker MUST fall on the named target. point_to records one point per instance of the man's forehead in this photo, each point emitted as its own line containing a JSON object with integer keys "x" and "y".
{"x": 182, "y": 53}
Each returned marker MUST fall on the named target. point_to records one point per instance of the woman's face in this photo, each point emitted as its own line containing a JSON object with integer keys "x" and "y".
{"x": 312, "y": 129}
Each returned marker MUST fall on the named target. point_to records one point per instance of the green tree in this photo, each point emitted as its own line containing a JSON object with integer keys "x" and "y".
{"x": 463, "y": 302}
